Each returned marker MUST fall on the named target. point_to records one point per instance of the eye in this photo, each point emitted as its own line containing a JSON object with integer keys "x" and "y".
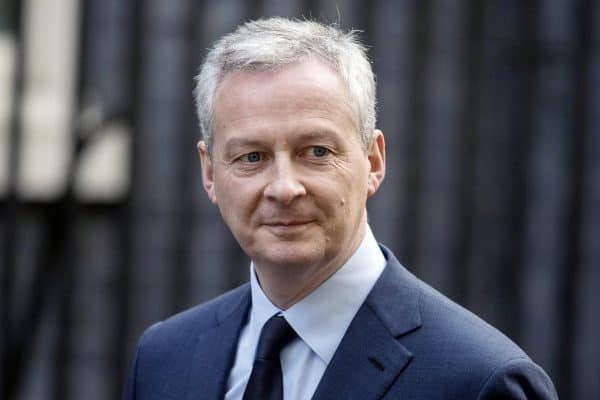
{"x": 252, "y": 157}
{"x": 319, "y": 151}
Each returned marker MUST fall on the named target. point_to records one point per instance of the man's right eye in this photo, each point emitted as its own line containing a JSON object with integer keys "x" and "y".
{"x": 252, "y": 157}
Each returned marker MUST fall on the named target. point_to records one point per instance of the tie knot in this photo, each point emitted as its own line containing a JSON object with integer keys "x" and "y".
{"x": 275, "y": 335}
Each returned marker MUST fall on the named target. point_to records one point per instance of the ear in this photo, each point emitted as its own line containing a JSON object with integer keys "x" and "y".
{"x": 207, "y": 171}
{"x": 376, "y": 156}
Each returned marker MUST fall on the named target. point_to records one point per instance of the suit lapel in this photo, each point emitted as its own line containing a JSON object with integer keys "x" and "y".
{"x": 370, "y": 357}
{"x": 215, "y": 352}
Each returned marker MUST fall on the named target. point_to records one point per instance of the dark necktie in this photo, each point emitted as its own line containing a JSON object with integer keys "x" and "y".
{"x": 265, "y": 381}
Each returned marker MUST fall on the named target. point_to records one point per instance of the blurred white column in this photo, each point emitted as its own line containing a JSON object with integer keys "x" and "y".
{"x": 7, "y": 75}
{"x": 103, "y": 169}
{"x": 50, "y": 54}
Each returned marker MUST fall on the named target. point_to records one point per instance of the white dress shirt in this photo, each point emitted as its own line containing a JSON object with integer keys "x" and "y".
{"x": 320, "y": 320}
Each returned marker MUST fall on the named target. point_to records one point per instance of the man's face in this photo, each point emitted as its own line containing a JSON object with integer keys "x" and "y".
{"x": 288, "y": 171}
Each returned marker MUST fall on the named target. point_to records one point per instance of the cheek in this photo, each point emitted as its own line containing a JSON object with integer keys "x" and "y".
{"x": 338, "y": 195}
{"x": 354, "y": 195}
{"x": 238, "y": 198}
{"x": 225, "y": 194}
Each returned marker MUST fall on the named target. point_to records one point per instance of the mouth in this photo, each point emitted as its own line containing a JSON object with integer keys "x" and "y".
{"x": 286, "y": 227}
{"x": 286, "y": 222}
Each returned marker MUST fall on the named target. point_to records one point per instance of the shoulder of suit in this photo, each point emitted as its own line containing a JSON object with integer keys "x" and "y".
{"x": 454, "y": 346}
{"x": 473, "y": 350}
{"x": 463, "y": 329}
{"x": 188, "y": 324}
{"x": 448, "y": 330}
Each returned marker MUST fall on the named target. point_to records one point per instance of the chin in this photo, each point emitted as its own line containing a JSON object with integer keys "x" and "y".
{"x": 289, "y": 256}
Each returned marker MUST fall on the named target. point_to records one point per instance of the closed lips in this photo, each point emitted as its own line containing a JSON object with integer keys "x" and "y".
{"x": 286, "y": 223}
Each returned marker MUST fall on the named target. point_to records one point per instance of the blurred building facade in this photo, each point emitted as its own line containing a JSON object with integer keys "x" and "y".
{"x": 491, "y": 112}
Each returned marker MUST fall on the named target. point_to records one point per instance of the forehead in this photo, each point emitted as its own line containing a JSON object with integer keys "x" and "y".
{"x": 308, "y": 88}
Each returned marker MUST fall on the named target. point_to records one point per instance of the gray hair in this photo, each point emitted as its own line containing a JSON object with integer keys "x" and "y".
{"x": 275, "y": 42}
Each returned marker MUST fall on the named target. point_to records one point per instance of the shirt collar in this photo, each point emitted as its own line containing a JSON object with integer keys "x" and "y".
{"x": 322, "y": 318}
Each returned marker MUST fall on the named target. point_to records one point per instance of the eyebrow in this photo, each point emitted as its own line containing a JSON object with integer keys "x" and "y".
{"x": 326, "y": 135}
{"x": 249, "y": 142}
{"x": 240, "y": 142}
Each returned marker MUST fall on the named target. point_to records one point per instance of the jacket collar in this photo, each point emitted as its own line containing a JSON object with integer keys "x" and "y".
{"x": 370, "y": 357}
{"x": 215, "y": 348}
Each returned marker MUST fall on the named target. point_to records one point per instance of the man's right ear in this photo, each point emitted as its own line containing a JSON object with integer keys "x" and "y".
{"x": 207, "y": 171}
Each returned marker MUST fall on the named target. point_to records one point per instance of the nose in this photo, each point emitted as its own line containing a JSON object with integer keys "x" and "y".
{"x": 284, "y": 185}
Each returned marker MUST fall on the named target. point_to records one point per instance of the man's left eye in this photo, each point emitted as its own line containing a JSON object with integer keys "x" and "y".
{"x": 252, "y": 157}
{"x": 319, "y": 151}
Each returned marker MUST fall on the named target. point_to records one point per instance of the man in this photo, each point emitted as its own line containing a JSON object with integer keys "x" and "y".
{"x": 290, "y": 155}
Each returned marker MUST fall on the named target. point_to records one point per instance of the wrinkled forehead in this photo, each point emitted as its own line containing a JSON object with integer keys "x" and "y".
{"x": 309, "y": 79}
{"x": 305, "y": 85}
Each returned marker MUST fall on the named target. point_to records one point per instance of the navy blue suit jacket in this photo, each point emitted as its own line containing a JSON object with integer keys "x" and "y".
{"x": 407, "y": 341}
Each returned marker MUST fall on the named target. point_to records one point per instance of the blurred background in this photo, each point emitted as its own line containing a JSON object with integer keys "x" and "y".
{"x": 491, "y": 111}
